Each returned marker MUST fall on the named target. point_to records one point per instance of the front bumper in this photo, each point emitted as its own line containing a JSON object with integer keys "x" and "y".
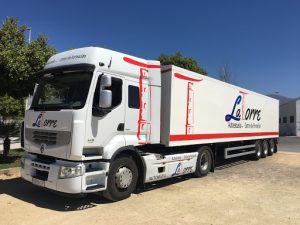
{"x": 46, "y": 174}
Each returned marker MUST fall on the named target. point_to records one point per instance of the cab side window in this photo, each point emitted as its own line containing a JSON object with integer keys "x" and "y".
{"x": 133, "y": 97}
{"x": 116, "y": 89}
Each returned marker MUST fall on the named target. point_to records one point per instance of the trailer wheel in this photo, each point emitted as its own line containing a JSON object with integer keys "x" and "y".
{"x": 258, "y": 150}
{"x": 204, "y": 161}
{"x": 122, "y": 179}
{"x": 265, "y": 149}
{"x": 273, "y": 147}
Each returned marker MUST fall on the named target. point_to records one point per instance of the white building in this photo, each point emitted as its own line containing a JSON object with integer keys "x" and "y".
{"x": 289, "y": 118}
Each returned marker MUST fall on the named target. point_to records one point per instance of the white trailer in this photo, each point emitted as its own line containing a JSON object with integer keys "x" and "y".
{"x": 104, "y": 121}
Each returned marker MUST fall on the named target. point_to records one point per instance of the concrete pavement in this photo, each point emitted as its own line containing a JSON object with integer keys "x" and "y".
{"x": 289, "y": 144}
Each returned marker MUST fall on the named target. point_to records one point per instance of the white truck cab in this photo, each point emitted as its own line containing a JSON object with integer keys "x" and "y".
{"x": 100, "y": 121}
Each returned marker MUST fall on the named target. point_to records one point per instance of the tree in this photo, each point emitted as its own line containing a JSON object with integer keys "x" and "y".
{"x": 19, "y": 60}
{"x": 225, "y": 74}
{"x": 10, "y": 108}
{"x": 184, "y": 62}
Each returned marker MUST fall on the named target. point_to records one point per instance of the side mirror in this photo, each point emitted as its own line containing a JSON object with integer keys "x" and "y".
{"x": 105, "y": 82}
{"x": 105, "y": 96}
{"x": 105, "y": 99}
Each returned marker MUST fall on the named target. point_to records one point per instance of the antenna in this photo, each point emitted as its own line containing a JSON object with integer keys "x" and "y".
{"x": 109, "y": 65}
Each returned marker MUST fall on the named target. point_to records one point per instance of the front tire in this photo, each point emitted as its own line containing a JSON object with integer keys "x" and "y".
{"x": 204, "y": 161}
{"x": 122, "y": 179}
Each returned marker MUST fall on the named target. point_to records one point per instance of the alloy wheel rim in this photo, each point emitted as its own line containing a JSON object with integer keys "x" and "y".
{"x": 123, "y": 177}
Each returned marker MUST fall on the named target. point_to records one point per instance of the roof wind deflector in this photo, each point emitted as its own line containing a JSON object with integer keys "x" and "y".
{"x": 84, "y": 67}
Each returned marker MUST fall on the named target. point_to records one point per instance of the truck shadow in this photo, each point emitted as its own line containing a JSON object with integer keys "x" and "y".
{"x": 43, "y": 198}
{"x": 24, "y": 191}
{"x": 222, "y": 164}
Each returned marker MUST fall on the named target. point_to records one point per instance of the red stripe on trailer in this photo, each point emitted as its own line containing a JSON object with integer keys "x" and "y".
{"x": 187, "y": 125}
{"x": 165, "y": 71}
{"x": 242, "y": 92}
{"x": 140, "y": 64}
{"x": 183, "y": 77}
{"x": 184, "y": 137}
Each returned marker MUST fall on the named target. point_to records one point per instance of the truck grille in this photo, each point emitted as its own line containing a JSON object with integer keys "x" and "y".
{"x": 41, "y": 175}
{"x": 44, "y": 159}
{"x": 48, "y": 138}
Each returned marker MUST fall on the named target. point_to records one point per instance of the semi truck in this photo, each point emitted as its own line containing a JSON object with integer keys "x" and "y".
{"x": 103, "y": 121}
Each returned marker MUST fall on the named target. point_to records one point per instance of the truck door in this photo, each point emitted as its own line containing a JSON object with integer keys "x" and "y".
{"x": 137, "y": 112}
{"x": 108, "y": 124}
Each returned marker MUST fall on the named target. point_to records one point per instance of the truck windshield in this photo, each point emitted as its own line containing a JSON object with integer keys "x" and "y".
{"x": 62, "y": 91}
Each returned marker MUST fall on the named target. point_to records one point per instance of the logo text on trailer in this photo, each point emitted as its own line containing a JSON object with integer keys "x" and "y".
{"x": 242, "y": 113}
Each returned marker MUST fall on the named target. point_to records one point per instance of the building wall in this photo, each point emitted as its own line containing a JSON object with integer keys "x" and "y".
{"x": 286, "y": 111}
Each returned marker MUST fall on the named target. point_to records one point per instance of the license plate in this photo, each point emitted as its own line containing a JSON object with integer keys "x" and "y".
{"x": 38, "y": 182}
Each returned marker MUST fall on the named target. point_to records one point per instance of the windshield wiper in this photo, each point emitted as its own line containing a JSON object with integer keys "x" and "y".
{"x": 52, "y": 107}
{"x": 69, "y": 105}
{"x": 38, "y": 108}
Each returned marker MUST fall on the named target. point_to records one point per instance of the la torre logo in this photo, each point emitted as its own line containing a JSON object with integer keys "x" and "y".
{"x": 240, "y": 113}
{"x": 41, "y": 122}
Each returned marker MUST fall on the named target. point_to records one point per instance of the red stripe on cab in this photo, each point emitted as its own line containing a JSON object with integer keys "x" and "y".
{"x": 140, "y": 64}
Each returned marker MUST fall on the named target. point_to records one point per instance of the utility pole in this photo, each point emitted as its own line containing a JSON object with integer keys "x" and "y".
{"x": 29, "y": 35}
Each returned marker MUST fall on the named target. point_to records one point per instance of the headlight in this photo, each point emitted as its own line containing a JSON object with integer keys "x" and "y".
{"x": 69, "y": 172}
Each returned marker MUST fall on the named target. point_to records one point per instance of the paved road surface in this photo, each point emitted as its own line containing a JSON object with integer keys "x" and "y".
{"x": 289, "y": 144}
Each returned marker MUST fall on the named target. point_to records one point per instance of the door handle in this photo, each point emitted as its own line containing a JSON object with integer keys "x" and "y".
{"x": 121, "y": 127}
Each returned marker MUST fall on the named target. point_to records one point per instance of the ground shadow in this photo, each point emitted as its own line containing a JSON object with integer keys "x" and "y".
{"x": 8, "y": 159}
{"x": 25, "y": 191}
{"x": 162, "y": 183}
{"x": 223, "y": 164}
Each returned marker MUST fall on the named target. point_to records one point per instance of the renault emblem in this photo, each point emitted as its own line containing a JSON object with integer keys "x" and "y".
{"x": 42, "y": 148}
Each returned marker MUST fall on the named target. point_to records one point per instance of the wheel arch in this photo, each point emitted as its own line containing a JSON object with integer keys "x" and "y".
{"x": 131, "y": 151}
{"x": 213, "y": 152}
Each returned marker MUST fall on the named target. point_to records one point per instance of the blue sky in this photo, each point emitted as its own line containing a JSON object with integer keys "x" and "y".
{"x": 259, "y": 40}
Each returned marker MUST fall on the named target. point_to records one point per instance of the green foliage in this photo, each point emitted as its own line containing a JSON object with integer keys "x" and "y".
{"x": 12, "y": 160}
{"x": 19, "y": 60}
{"x": 9, "y": 129}
{"x": 184, "y": 62}
{"x": 10, "y": 107}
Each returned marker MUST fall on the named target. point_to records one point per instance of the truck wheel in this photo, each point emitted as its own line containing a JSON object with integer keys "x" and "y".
{"x": 258, "y": 150}
{"x": 122, "y": 179}
{"x": 273, "y": 147}
{"x": 265, "y": 149}
{"x": 204, "y": 161}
